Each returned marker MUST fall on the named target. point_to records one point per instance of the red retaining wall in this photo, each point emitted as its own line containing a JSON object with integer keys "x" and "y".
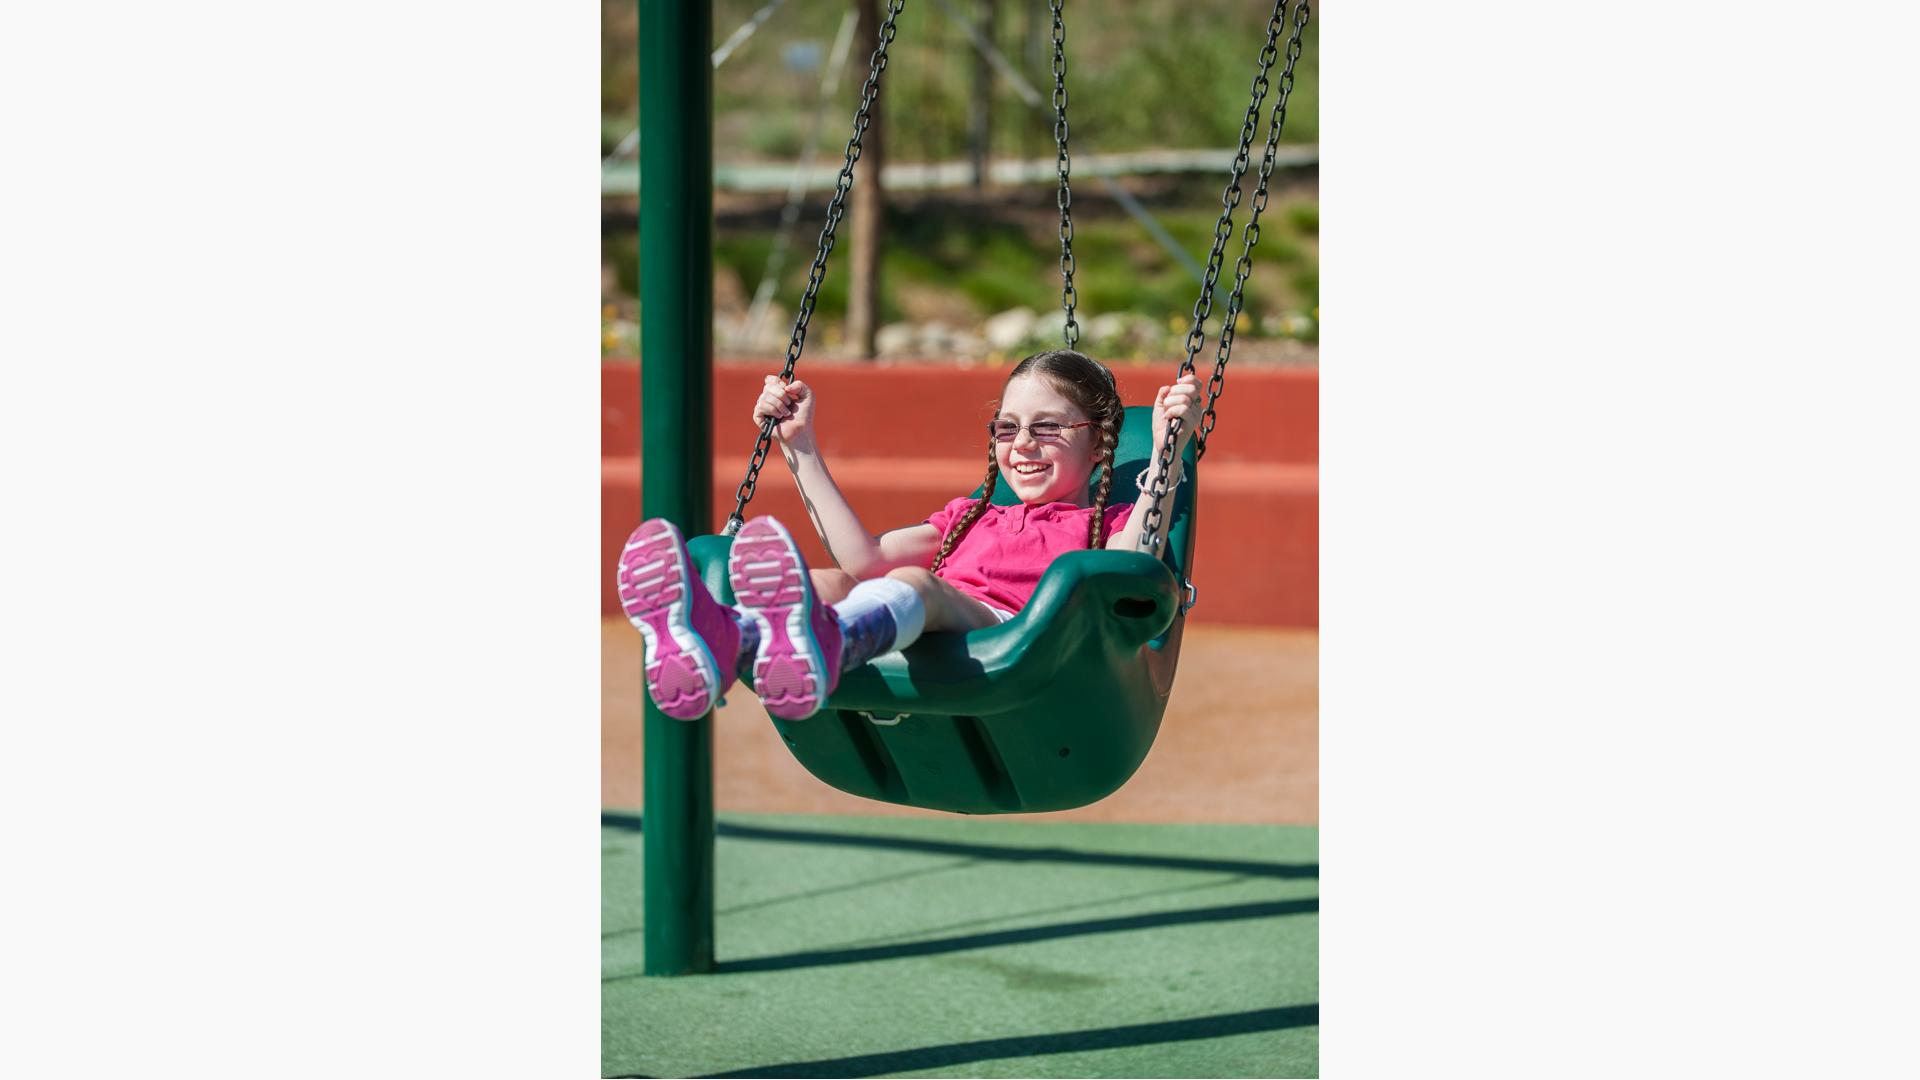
{"x": 902, "y": 440}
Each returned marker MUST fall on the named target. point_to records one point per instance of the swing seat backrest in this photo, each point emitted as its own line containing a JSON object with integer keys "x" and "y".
{"x": 1053, "y": 709}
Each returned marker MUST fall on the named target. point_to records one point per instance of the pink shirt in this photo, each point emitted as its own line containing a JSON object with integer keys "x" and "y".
{"x": 1000, "y": 560}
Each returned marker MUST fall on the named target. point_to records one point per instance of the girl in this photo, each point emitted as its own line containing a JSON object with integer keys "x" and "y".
{"x": 970, "y": 565}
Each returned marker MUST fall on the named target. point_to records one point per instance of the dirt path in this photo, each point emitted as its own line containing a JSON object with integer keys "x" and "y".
{"x": 1240, "y": 742}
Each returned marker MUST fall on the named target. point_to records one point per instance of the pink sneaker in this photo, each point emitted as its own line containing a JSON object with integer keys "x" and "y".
{"x": 798, "y": 663}
{"x": 692, "y": 639}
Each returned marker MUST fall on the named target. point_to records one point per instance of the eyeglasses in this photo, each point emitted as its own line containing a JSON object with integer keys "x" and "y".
{"x": 1041, "y": 430}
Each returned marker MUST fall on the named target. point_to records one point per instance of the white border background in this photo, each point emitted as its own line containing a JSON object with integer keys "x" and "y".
{"x": 300, "y": 691}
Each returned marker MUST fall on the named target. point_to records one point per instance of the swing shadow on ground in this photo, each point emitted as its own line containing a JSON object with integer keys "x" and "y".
{"x": 1022, "y": 936}
{"x": 956, "y": 1056}
{"x": 951, "y": 1054}
{"x": 997, "y": 853}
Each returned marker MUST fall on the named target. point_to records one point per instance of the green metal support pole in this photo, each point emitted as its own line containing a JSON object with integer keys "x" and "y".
{"x": 676, "y": 375}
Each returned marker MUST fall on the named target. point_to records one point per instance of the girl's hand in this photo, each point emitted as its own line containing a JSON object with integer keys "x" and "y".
{"x": 791, "y": 403}
{"x": 1176, "y": 401}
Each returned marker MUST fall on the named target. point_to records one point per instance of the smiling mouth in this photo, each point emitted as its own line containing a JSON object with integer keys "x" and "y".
{"x": 1030, "y": 468}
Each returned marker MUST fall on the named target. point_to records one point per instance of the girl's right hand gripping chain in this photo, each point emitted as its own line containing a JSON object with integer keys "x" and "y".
{"x": 791, "y": 404}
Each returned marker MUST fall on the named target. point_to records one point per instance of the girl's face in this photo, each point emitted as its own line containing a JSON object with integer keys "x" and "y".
{"x": 1046, "y": 470}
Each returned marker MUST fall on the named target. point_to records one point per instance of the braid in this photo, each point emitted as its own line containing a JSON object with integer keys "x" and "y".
{"x": 959, "y": 528}
{"x": 1089, "y": 385}
{"x": 1108, "y": 440}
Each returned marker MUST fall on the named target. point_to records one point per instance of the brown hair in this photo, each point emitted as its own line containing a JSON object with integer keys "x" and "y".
{"x": 1088, "y": 384}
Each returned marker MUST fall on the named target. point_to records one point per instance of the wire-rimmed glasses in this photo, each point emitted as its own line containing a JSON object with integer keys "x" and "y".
{"x": 1041, "y": 430}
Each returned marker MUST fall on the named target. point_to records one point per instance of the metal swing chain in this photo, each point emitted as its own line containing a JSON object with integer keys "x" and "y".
{"x": 1069, "y": 298}
{"x": 1250, "y": 237}
{"x": 1222, "y": 231}
{"x": 836, "y": 208}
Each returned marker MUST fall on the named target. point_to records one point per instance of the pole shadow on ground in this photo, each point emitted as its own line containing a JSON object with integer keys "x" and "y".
{"x": 948, "y": 1055}
{"x": 1022, "y": 936}
{"x": 853, "y": 956}
{"x": 998, "y": 853}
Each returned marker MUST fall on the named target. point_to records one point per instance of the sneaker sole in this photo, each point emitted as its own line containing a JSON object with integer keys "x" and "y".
{"x": 682, "y": 678}
{"x": 770, "y": 583}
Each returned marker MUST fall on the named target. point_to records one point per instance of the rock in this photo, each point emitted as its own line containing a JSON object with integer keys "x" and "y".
{"x": 734, "y": 331}
{"x": 1144, "y": 335}
{"x": 1049, "y": 331}
{"x": 776, "y": 328}
{"x": 728, "y": 294}
{"x": 934, "y": 339}
{"x": 1105, "y": 329}
{"x": 1009, "y": 328}
{"x": 894, "y": 339}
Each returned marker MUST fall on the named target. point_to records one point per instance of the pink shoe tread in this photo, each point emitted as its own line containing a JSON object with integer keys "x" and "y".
{"x": 665, "y": 601}
{"x": 797, "y": 665}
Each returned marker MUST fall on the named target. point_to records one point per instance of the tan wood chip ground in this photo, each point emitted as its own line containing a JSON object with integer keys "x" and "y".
{"x": 1240, "y": 742}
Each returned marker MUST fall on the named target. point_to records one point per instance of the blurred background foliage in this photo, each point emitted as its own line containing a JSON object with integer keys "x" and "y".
{"x": 1142, "y": 75}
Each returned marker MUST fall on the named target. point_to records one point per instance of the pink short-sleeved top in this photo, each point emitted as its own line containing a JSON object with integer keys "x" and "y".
{"x": 1000, "y": 560}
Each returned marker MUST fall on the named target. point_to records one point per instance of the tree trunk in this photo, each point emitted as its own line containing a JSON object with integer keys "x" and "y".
{"x": 980, "y": 118}
{"x": 869, "y": 206}
{"x": 1036, "y": 63}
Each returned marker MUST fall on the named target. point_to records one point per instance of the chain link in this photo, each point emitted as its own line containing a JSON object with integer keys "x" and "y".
{"x": 1216, "y": 384}
{"x": 1151, "y": 538}
{"x": 1069, "y": 298}
{"x": 836, "y": 208}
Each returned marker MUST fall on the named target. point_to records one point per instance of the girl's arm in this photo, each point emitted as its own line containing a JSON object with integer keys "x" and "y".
{"x": 913, "y": 545}
{"x": 856, "y": 550}
{"x": 1170, "y": 402}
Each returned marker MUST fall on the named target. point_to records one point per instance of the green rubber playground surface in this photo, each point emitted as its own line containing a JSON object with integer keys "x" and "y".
{"x": 976, "y": 947}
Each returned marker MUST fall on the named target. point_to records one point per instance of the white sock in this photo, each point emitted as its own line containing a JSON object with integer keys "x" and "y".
{"x": 898, "y": 597}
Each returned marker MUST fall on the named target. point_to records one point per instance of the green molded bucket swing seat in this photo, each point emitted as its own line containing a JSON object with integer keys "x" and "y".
{"x": 1053, "y": 709}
